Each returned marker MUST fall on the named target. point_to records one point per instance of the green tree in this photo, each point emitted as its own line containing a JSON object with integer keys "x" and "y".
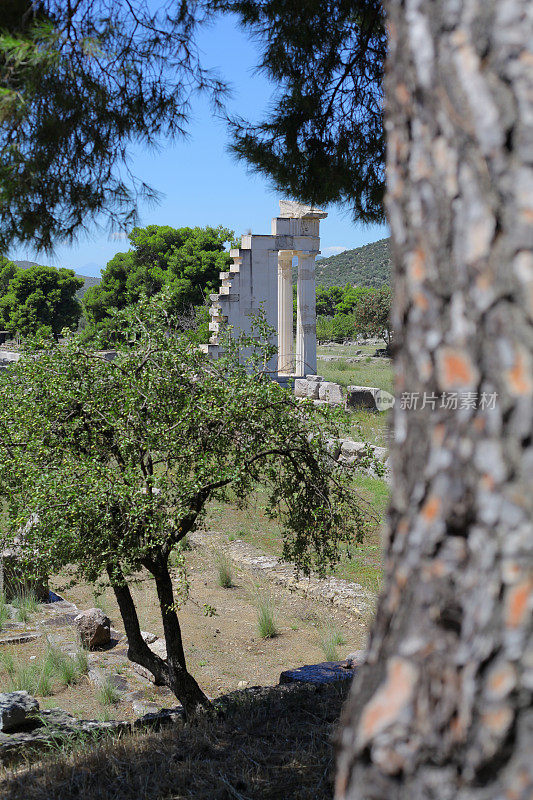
{"x": 79, "y": 81}
{"x": 186, "y": 260}
{"x": 119, "y": 459}
{"x": 372, "y": 314}
{"x": 39, "y": 299}
{"x": 327, "y": 299}
{"x": 351, "y": 297}
{"x": 7, "y": 271}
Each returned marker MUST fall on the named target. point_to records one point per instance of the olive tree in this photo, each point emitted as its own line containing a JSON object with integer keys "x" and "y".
{"x": 117, "y": 460}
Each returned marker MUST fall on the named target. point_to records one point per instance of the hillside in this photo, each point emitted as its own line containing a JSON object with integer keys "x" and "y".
{"x": 88, "y": 280}
{"x": 364, "y": 266}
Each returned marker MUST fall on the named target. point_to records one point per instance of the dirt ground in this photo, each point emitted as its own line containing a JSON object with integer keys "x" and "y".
{"x": 219, "y": 625}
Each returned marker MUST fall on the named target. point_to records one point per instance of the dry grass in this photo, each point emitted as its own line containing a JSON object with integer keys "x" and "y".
{"x": 270, "y": 745}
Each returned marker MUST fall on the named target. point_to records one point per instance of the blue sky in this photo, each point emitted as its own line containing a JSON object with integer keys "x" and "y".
{"x": 201, "y": 183}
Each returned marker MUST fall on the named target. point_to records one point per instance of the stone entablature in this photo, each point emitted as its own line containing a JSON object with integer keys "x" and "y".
{"x": 261, "y": 277}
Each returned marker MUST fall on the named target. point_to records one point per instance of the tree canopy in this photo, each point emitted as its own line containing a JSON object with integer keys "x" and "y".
{"x": 323, "y": 140}
{"x": 111, "y": 72}
{"x": 38, "y": 300}
{"x": 185, "y": 260}
{"x": 118, "y": 460}
{"x": 372, "y": 314}
{"x": 78, "y": 83}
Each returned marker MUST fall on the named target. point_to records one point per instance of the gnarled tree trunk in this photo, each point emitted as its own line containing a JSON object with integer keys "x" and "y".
{"x": 443, "y": 708}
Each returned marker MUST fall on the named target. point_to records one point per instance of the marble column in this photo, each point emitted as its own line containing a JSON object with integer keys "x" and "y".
{"x": 285, "y": 326}
{"x": 306, "y": 315}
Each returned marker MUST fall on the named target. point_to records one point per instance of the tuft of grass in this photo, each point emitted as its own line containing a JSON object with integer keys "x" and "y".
{"x": 107, "y": 694}
{"x": 81, "y": 661}
{"x": 68, "y": 669}
{"x": 26, "y": 604}
{"x": 43, "y": 684}
{"x": 224, "y": 575}
{"x": 34, "y": 678}
{"x": 24, "y": 679}
{"x": 4, "y": 611}
{"x": 7, "y": 663}
{"x": 330, "y": 639}
{"x": 100, "y": 601}
{"x": 266, "y": 624}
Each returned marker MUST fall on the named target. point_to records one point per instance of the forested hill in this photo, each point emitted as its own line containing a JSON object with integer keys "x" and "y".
{"x": 88, "y": 280}
{"x": 364, "y": 266}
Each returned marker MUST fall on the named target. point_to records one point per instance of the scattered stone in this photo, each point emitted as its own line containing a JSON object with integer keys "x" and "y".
{"x": 342, "y": 593}
{"x": 59, "y": 620}
{"x": 149, "y": 638}
{"x": 97, "y": 676}
{"x": 142, "y": 672}
{"x": 142, "y": 707}
{"x": 350, "y": 451}
{"x": 300, "y": 387}
{"x": 313, "y": 388}
{"x": 358, "y": 397}
{"x": 23, "y": 638}
{"x": 368, "y": 397}
{"x": 357, "y": 658}
{"x": 93, "y": 628}
{"x": 242, "y": 684}
{"x": 17, "y": 710}
{"x": 331, "y": 392}
{"x": 159, "y": 647}
{"x": 327, "y": 672}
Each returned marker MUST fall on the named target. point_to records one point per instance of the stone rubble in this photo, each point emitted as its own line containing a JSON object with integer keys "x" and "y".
{"x": 341, "y": 593}
{"x": 17, "y": 709}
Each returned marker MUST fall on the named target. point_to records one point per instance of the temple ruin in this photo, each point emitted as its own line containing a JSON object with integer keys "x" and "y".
{"x": 261, "y": 277}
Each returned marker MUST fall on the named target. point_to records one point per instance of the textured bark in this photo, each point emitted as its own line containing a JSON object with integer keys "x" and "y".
{"x": 171, "y": 672}
{"x": 443, "y": 707}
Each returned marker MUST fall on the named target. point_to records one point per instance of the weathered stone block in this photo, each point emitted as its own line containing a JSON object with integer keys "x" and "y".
{"x": 16, "y": 710}
{"x": 93, "y": 628}
{"x": 300, "y": 387}
{"x": 363, "y": 397}
{"x": 350, "y": 451}
{"x": 331, "y": 392}
{"x": 312, "y": 389}
{"x": 327, "y": 672}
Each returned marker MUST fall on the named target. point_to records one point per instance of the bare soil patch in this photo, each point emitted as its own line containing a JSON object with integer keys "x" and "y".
{"x": 222, "y": 642}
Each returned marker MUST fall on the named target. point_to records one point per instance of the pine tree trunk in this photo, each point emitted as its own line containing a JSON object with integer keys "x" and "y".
{"x": 443, "y": 707}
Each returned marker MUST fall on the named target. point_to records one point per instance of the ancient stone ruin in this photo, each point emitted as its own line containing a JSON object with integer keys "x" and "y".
{"x": 261, "y": 278}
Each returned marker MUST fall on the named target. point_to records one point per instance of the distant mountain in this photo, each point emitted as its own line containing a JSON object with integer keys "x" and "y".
{"x": 364, "y": 266}
{"x": 87, "y": 279}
